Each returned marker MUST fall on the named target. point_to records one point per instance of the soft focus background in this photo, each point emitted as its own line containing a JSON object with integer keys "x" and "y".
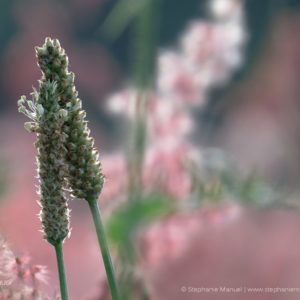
{"x": 231, "y": 217}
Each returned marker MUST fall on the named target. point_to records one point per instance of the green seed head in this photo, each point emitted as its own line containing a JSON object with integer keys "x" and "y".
{"x": 85, "y": 175}
{"x": 48, "y": 119}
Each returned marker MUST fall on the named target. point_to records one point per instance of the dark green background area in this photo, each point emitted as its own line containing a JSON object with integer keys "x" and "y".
{"x": 174, "y": 16}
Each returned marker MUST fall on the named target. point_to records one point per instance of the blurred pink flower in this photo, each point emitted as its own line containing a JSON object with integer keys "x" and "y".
{"x": 176, "y": 80}
{"x": 20, "y": 279}
{"x": 199, "y": 42}
{"x": 165, "y": 170}
{"x": 226, "y": 9}
{"x": 123, "y": 102}
{"x": 166, "y": 240}
{"x": 39, "y": 273}
{"x": 207, "y": 55}
{"x": 214, "y": 50}
{"x": 167, "y": 121}
{"x": 116, "y": 174}
{"x": 7, "y": 260}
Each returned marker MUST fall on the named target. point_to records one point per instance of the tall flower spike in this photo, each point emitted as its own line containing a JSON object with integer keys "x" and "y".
{"x": 48, "y": 119}
{"x": 85, "y": 175}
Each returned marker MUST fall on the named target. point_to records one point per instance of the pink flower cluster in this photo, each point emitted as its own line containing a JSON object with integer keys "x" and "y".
{"x": 208, "y": 53}
{"x": 18, "y": 278}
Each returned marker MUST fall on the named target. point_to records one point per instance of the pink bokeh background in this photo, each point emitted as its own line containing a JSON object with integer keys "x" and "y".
{"x": 261, "y": 130}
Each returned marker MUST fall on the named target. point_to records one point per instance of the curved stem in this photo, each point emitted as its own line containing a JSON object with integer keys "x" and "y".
{"x": 61, "y": 271}
{"x": 110, "y": 273}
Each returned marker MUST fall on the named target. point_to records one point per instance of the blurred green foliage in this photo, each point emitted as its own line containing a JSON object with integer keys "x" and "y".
{"x": 3, "y": 177}
{"x": 132, "y": 215}
{"x": 220, "y": 179}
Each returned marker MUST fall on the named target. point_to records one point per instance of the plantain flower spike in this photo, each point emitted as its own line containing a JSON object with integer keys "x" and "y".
{"x": 85, "y": 175}
{"x": 47, "y": 122}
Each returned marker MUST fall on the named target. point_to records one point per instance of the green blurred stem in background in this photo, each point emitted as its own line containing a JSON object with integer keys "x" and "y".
{"x": 137, "y": 145}
{"x": 61, "y": 271}
{"x": 144, "y": 48}
{"x": 145, "y": 16}
{"x": 111, "y": 277}
{"x": 145, "y": 44}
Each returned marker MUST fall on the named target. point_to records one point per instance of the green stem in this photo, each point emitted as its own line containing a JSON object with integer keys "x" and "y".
{"x": 114, "y": 289}
{"x": 61, "y": 271}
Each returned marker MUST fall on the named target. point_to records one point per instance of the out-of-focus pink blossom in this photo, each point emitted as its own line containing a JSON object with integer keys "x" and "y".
{"x": 176, "y": 80}
{"x": 39, "y": 273}
{"x": 165, "y": 170}
{"x": 199, "y": 42}
{"x": 167, "y": 121}
{"x": 173, "y": 128}
{"x": 20, "y": 279}
{"x": 166, "y": 240}
{"x": 123, "y": 102}
{"x": 115, "y": 169}
{"x": 207, "y": 55}
{"x": 214, "y": 50}
{"x": 226, "y": 9}
{"x": 7, "y": 260}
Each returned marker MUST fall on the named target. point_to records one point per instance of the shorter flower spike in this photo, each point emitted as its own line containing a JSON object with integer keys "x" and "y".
{"x": 85, "y": 175}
